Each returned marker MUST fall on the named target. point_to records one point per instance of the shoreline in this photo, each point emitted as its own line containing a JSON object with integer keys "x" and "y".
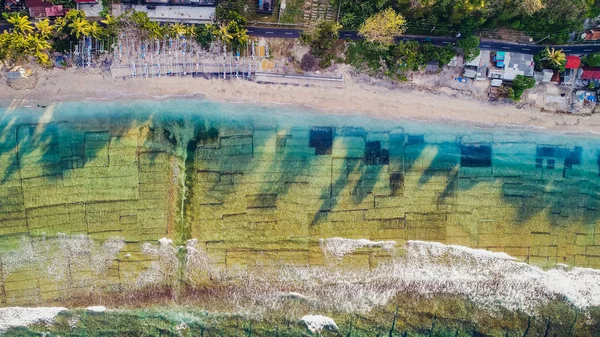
{"x": 375, "y": 99}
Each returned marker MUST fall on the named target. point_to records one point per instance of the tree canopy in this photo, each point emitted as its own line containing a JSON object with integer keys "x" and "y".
{"x": 556, "y": 58}
{"x": 396, "y": 60}
{"x": 470, "y": 47}
{"x": 592, "y": 60}
{"x": 550, "y": 59}
{"x": 383, "y": 27}
{"x": 519, "y": 85}
{"x": 536, "y": 17}
{"x": 322, "y": 37}
{"x": 26, "y": 40}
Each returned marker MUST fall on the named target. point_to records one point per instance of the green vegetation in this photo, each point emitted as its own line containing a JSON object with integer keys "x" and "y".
{"x": 538, "y": 18}
{"x": 396, "y": 60}
{"x": 591, "y": 60}
{"x": 28, "y": 40}
{"x": 321, "y": 40}
{"x": 469, "y": 47}
{"x": 232, "y": 30}
{"x": 439, "y": 315}
{"x": 519, "y": 85}
{"x": 106, "y": 8}
{"x": 241, "y": 7}
{"x": 293, "y": 12}
{"x": 206, "y": 35}
{"x": 550, "y": 59}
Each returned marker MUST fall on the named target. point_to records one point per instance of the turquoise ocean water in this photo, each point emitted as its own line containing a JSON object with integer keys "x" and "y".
{"x": 532, "y": 171}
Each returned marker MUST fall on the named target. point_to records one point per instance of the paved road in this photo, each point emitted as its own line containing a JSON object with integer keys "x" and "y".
{"x": 438, "y": 41}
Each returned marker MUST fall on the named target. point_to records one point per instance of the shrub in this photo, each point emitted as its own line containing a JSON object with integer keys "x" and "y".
{"x": 592, "y": 60}
{"x": 519, "y": 85}
{"x": 470, "y": 47}
{"x": 322, "y": 38}
{"x": 308, "y": 62}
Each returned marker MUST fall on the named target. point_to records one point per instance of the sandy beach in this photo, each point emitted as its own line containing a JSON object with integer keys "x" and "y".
{"x": 363, "y": 96}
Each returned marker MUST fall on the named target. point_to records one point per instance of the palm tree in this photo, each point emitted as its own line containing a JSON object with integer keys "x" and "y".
{"x": 233, "y": 33}
{"x": 60, "y": 24}
{"x": 141, "y": 19}
{"x": 109, "y": 20}
{"x": 36, "y": 44}
{"x": 178, "y": 29}
{"x": 5, "y": 45}
{"x": 80, "y": 26}
{"x": 44, "y": 28}
{"x": 74, "y": 14}
{"x": 240, "y": 36}
{"x": 555, "y": 57}
{"x": 20, "y": 23}
{"x": 190, "y": 31}
{"x": 18, "y": 46}
{"x": 43, "y": 58}
{"x": 95, "y": 30}
{"x": 224, "y": 35}
{"x": 155, "y": 30}
{"x": 111, "y": 24}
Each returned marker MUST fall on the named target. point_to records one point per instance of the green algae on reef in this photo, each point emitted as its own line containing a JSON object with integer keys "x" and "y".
{"x": 244, "y": 195}
{"x": 417, "y": 317}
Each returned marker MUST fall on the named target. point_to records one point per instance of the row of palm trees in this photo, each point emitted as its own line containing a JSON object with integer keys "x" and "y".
{"x": 36, "y": 40}
{"x": 231, "y": 33}
{"x": 26, "y": 40}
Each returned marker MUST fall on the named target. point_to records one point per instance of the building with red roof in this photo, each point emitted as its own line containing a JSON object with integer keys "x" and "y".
{"x": 573, "y": 62}
{"x": 42, "y": 9}
{"x": 37, "y": 3}
{"x": 592, "y": 35}
{"x": 590, "y": 74}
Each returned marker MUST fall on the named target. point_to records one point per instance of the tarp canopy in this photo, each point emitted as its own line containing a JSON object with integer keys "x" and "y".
{"x": 573, "y": 62}
{"x": 591, "y": 74}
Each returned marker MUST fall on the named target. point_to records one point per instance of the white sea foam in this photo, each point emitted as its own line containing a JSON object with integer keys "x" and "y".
{"x": 316, "y": 323}
{"x": 338, "y": 247}
{"x": 197, "y": 263}
{"x": 55, "y": 256}
{"x": 16, "y": 316}
{"x": 163, "y": 270}
{"x": 491, "y": 280}
{"x": 97, "y": 308}
{"x": 165, "y": 241}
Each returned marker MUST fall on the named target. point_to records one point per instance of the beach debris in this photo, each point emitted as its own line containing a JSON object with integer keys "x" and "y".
{"x": 316, "y": 323}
